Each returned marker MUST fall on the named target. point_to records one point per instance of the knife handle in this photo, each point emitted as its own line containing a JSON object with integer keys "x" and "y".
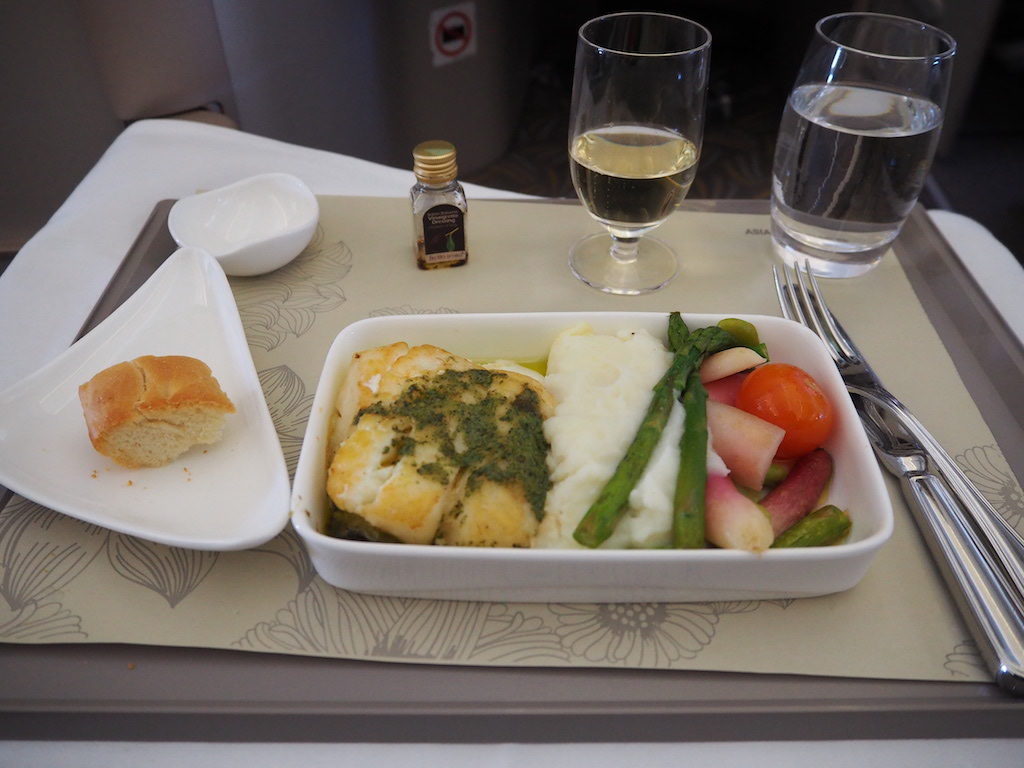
{"x": 988, "y": 603}
{"x": 1004, "y": 539}
{"x": 1005, "y": 542}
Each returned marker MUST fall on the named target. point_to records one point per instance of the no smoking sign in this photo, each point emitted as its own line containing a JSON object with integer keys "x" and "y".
{"x": 452, "y": 33}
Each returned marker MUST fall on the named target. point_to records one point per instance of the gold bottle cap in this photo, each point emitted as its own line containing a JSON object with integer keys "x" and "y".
{"x": 434, "y": 162}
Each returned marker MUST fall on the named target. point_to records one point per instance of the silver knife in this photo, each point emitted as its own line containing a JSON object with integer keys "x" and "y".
{"x": 1001, "y": 539}
{"x": 985, "y": 592}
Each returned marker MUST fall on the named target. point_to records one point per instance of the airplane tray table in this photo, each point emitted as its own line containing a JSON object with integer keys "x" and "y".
{"x": 111, "y": 691}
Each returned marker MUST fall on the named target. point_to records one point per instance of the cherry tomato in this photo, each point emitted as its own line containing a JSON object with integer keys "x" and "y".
{"x": 790, "y": 398}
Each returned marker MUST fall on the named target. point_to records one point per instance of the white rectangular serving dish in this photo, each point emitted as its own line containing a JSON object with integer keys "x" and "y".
{"x": 593, "y": 576}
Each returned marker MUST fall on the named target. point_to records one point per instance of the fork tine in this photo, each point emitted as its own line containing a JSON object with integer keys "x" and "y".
{"x": 784, "y": 294}
{"x": 792, "y": 297}
{"x": 836, "y": 333}
{"x": 812, "y": 299}
{"x": 803, "y": 304}
{"x": 791, "y": 300}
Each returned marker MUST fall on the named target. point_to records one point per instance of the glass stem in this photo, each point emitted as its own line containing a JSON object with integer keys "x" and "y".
{"x": 624, "y": 249}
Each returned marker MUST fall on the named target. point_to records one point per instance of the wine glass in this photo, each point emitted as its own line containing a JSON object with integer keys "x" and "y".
{"x": 635, "y": 131}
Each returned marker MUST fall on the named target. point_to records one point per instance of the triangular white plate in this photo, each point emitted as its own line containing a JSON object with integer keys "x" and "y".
{"x": 232, "y": 495}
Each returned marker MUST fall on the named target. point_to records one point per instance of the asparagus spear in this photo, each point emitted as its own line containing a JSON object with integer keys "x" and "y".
{"x": 604, "y": 514}
{"x": 823, "y": 527}
{"x": 777, "y": 472}
{"x": 690, "y": 349}
{"x": 678, "y": 333}
{"x": 691, "y": 481}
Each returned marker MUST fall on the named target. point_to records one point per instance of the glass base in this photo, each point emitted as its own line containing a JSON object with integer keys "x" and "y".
{"x": 824, "y": 263}
{"x": 653, "y": 266}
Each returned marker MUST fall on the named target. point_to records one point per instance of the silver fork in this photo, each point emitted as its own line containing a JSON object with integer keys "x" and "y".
{"x": 801, "y": 300}
{"x": 978, "y": 552}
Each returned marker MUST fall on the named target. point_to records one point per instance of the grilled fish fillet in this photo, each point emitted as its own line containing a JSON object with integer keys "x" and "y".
{"x": 433, "y": 448}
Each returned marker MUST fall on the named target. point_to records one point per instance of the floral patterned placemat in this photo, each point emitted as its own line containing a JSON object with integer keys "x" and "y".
{"x": 62, "y": 581}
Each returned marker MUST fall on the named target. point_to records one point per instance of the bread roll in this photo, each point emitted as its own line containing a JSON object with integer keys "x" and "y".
{"x": 148, "y": 411}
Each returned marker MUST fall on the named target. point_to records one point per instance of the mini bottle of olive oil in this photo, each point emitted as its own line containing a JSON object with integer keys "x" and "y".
{"x": 439, "y": 207}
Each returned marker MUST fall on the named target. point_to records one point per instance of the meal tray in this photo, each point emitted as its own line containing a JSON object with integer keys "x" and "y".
{"x": 115, "y": 691}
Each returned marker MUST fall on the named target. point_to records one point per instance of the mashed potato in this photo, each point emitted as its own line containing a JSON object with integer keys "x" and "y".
{"x": 601, "y": 386}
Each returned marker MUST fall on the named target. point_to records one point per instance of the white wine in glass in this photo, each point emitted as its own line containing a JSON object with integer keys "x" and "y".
{"x": 635, "y": 133}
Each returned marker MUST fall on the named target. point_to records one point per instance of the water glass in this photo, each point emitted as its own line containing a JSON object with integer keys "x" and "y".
{"x": 857, "y": 139}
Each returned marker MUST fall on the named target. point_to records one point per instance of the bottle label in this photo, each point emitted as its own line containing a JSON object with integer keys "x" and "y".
{"x": 444, "y": 235}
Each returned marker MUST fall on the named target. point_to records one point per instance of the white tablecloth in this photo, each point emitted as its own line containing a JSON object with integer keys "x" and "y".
{"x": 953, "y": 753}
{"x": 51, "y": 286}
{"x": 75, "y": 255}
